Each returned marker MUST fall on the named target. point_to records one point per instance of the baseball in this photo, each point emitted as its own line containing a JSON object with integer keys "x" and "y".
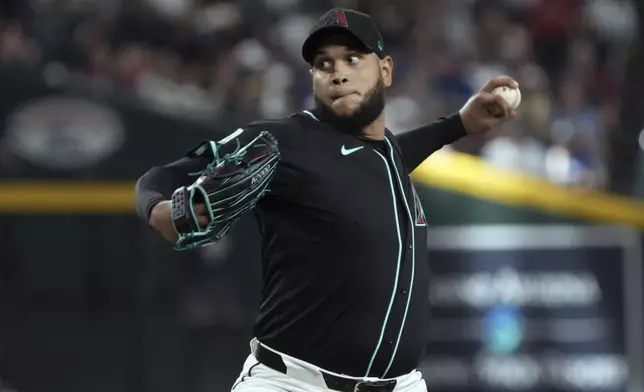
{"x": 511, "y": 95}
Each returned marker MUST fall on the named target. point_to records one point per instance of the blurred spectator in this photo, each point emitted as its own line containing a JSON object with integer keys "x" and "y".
{"x": 229, "y": 62}
{"x": 16, "y": 47}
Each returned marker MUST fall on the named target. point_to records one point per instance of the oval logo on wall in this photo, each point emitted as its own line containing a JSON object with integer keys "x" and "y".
{"x": 64, "y": 133}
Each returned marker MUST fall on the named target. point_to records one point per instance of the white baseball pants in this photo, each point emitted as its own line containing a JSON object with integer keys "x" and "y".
{"x": 303, "y": 377}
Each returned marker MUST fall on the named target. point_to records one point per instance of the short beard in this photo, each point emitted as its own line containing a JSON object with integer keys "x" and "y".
{"x": 369, "y": 110}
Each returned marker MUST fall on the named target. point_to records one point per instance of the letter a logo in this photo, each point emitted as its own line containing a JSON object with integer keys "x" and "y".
{"x": 336, "y": 18}
{"x": 420, "y": 213}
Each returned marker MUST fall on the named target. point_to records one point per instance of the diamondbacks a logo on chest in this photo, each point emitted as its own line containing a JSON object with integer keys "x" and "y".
{"x": 420, "y": 219}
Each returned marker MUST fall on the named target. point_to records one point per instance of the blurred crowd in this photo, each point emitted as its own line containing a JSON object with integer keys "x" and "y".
{"x": 232, "y": 61}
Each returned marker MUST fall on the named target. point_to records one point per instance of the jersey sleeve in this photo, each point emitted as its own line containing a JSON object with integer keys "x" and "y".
{"x": 418, "y": 144}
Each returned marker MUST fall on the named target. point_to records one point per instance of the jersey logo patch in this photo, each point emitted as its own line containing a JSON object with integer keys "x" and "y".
{"x": 347, "y": 151}
{"x": 420, "y": 213}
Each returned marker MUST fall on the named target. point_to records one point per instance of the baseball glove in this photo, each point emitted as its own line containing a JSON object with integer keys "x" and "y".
{"x": 229, "y": 186}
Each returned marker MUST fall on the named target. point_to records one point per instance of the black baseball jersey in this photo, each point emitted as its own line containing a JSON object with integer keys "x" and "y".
{"x": 344, "y": 258}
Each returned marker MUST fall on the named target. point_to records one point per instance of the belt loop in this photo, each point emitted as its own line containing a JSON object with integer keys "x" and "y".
{"x": 253, "y": 346}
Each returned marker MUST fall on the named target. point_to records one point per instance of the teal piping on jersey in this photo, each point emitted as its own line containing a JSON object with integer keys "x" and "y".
{"x": 400, "y": 248}
{"x": 413, "y": 260}
{"x": 310, "y": 114}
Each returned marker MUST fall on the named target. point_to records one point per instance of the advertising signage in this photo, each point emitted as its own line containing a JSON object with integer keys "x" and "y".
{"x": 534, "y": 308}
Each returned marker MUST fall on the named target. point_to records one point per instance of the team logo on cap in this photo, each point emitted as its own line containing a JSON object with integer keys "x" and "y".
{"x": 336, "y": 18}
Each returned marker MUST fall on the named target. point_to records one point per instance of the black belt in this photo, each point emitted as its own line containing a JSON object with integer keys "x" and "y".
{"x": 274, "y": 361}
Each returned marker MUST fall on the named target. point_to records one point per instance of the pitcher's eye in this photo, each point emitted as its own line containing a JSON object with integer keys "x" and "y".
{"x": 323, "y": 64}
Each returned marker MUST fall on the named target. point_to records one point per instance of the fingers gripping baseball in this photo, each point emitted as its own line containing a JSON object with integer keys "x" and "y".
{"x": 494, "y": 104}
{"x": 499, "y": 81}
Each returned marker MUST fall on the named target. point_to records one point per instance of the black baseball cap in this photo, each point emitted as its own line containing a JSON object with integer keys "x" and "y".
{"x": 360, "y": 26}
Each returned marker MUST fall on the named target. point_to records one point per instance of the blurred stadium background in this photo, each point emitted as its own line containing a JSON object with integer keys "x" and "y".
{"x": 536, "y": 231}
